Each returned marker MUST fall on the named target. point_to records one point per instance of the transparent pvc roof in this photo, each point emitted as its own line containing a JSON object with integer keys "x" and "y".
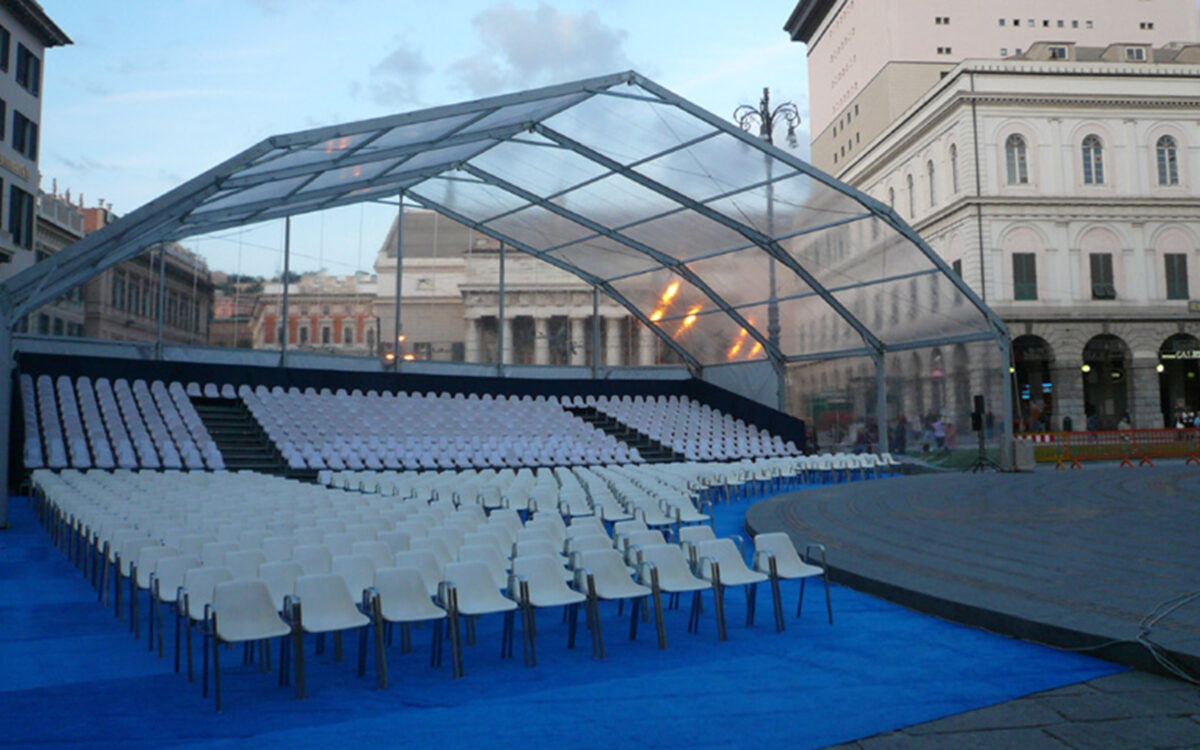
{"x": 704, "y": 232}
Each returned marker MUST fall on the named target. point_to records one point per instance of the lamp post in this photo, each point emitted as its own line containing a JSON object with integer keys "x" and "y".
{"x": 766, "y": 119}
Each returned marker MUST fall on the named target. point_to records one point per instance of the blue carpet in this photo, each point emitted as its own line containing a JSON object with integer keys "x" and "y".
{"x": 72, "y": 674}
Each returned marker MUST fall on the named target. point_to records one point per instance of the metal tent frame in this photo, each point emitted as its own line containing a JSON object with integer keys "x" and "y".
{"x": 627, "y": 188}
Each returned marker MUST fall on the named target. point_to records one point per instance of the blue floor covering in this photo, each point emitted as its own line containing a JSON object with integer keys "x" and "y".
{"x": 72, "y": 674}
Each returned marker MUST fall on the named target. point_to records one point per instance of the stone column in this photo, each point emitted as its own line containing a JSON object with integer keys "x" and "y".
{"x": 646, "y": 339}
{"x": 578, "y": 347}
{"x": 1067, "y": 382}
{"x": 541, "y": 341}
{"x": 1144, "y": 396}
{"x": 612, "y": 354}
{"x": 471, "y": 340}
{"x": 506, "y": 338}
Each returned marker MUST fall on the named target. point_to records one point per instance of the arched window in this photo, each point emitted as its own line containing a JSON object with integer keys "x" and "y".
{"x": 912, "y": 201}
{"x": 891, "y": 197}
{"x": 1015, "y": 158}
{"x": 932, "y": 184}
{"x": 1168, "y": 161}
{"x": 1093, "y": 161}
{"x": 954, "y": 168}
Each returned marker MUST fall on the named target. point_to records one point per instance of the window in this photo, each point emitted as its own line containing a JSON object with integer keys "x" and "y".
{"x": 1004, "y": 51}
{"x": 891, "y": 197}
{"x": 1135, "y": 54}
{"x": 1075, "y": 24}
{"x": 1060, "y": 23}
{"x": 1058, "y": 53}
{"x": 5, "y": 44}
{"x": 1168, "y": 161}
{"x": 135, "y": 297}
{"x": 1146, "y": 25}
{"x": 1016, "y": 160}
{"x": 44, "y": 324}
{"x": 932, "y": 184}
{"x": 954, "y": 167}
{"x": 1093, "y": 161}
{"x": 24, "y": 135}
{"x": 3, "y": 118}
{"x": 20, "y": 217}
{"x": 1016, "y": 22}
{"x": 1177, "y": 280}
{"x": 1024, "y": 276}
{"x": 326, "y": 335}
{"x": 303, "y": 335}
{"x": 912, "y": 200}
{"x": 1087, "y": 24}
{"x": 118, "y": 290}
{"x": 370, "y": 339}
{"x": 944, "y": 50}
{"x": 1102, "y": 276}
{"x": 956, "y": 266}
{"x": 348, "y": 335}
{"x": 942, "y": 20}
{"x": 1031, "y": 23}
{"x": 325, "y": 310}
{"x": 1001, "y": 21}
{"x": 29, "y": 70}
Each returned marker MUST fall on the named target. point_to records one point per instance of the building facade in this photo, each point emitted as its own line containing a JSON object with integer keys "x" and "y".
{"x": 1064, "y": 185}
{"x": 59, "y": 223}
{"x": 26, "y": 32}
{"x": 450, "y": 304}
{"x": 869, "y": 60}
{"x": 122, "y": 303}
{"x": 331, "y": 314}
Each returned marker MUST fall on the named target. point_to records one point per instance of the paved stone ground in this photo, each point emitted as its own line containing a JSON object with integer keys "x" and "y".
{"x": 1128, "y": 710}
{"x": 1074, "y": 559}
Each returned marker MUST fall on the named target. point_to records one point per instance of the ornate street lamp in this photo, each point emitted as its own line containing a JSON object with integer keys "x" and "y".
{"x": 766, "y": 119}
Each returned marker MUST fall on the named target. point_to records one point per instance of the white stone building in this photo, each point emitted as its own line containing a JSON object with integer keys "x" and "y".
{"x": 1065, "y": 186}
{"x": 450, "y": 292}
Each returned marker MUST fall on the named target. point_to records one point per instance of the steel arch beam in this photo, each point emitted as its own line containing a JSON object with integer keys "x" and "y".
{"x": 679, "y": 267}
{"x": 883, "y": 212}
{"x": 767, "y": 244}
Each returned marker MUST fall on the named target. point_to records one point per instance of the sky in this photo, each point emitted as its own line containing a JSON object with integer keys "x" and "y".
{"x": 152, "y": 93}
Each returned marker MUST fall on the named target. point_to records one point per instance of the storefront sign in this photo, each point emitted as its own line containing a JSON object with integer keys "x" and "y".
{"x": 20, "y": 170}
{"x": 1181, "y": 354}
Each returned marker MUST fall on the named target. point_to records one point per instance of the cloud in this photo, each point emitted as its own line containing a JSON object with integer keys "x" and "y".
{"x": 522, "y": 48}
{"x": 85, "y": 164}
{"x": 395, "y": 79}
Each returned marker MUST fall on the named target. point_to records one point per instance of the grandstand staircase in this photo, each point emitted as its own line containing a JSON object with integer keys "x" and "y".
{"x": 242, "y": 441}
{"x": 651, "y": 451}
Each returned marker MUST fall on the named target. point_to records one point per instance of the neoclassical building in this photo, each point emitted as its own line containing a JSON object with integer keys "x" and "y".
{"x": 1064, "y": 185}
{"x": 331, "y": 314}
{"x": 450, "y": 303}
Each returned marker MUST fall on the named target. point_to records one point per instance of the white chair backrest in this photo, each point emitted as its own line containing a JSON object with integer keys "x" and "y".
{"x": 245, "y": 612}
{"x": 280, "y": 577}
{"x": 357, "y": 570}
{"x": 314, "y": 559}
{"x": 199, "y": 583}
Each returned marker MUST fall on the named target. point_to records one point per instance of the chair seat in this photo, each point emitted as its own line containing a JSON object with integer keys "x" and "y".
{"x": 245, "y": 612}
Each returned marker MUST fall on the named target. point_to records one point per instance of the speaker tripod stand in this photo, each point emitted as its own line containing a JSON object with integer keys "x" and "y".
{"x": 982, "y": 461}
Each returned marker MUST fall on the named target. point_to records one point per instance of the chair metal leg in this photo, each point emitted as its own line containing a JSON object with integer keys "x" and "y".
{"x": 828, "y": 604}
{"x": 572, "y": 612}
{"x": 751, "y": 602}
{"x": 800, "y": 603}
{"x": 656, "y": 595}
{"x": 116, "y": 568}
{"x": 204, "y": 650}
{"x": 381, "y": 675}
{"x": 216, "y": 664}
{"x": 635, "y": 610}
{"x": 298, "y": 648}
{"x": 777, "y": 601}
{"x": 594, "y": 609}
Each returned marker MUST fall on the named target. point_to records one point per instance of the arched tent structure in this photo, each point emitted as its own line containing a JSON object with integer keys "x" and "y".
{"x": 617, "y": 180}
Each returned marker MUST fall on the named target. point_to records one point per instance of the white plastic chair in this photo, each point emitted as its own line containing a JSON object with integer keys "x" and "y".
{"x": 322, "y": 604}
{"x": 403, "y": 600}
{"x": 469, "y": 590}
{"x": 776, "y": 555}
{"x": 539, "y": 584}
{"x": 242, "y": 611}
{"x": 601, "y": 575}
{"x": 720, "y": 561}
